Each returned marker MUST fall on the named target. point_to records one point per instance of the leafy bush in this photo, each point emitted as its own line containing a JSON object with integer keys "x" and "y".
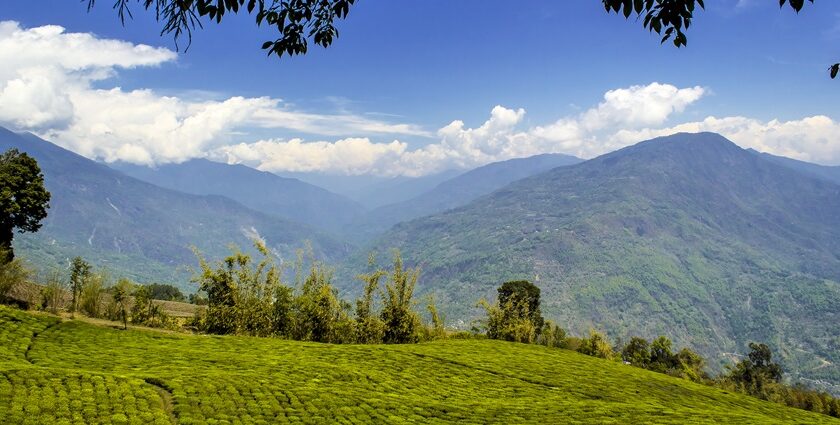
{"x": 12, "y": 274}
{"x": 53, "y": 293}
{"x": 369, "y": 327}
{"x": 402, "y": 323}
{"x": 552, "y": 335}
{"x": 596, "y": 345}
{"x": 165, "y": 292}
{"x": 516, "y": 315}
{"x": 92, "y": 295}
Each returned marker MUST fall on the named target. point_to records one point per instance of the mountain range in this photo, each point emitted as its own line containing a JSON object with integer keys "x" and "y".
{"x": 688, "y": 236}
{"x": 460, "y": 190}
{"x": 138, "y": 230}
{"x": 287, "y": 198}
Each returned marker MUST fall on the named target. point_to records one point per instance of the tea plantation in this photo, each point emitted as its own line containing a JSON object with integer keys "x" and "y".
{"x": 72, "y": 373}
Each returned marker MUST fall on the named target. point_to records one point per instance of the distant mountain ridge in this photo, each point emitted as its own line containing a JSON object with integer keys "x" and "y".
{"x": 825, "y": 172}
{"x": 461, "y": 190}
{"x": 139, "y": 230}
{"x": 687, "y": 235}
{"x": 283, "y": 197}
{"x": 375, "y": 191}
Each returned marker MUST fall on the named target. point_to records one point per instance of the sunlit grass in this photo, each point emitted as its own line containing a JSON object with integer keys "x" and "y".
{"x": 93, "y": 374}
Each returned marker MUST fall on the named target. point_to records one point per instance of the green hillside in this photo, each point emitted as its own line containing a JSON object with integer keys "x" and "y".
{"x": 688, "y": 236}
{"x": 73, "y": 372}
{"x": 261, "y": 191}
{"x": 458, "y": 191}
{"x": 139, "y": 230}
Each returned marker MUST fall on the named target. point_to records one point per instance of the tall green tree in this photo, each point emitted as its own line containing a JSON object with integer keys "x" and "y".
{"x": 524, "y": 296}
{"x": 369, "y": 327}
{"x": 240, "y": 293}
{"x": 80, "y": 273}
{"x": 757, "y": 370}
{"x": 402, "y": 322}
{"x": 122, "y": 298}
{"x": 23, "y": 198}
{"x": 637, "y": 352}
{"x": 516, "y": 315}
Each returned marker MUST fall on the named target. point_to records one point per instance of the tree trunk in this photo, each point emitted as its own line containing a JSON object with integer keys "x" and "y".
{"x": 6, "y": 236}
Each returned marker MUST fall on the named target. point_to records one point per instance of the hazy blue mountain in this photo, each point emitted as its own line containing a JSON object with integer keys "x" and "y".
{"x": 137, "y": 229}
{"x": 826, "y": 172}
{"x": 687, "y": 235}
{"x": 462, "y": 189}
{"x": 259, "y": 190}
{"x": 376, "y": 191}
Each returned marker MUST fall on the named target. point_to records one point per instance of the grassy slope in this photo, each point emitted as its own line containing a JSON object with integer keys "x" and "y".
{"x": 74, "y": 372}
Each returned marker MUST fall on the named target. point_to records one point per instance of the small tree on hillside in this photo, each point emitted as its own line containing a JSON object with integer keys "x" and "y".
{"x": 52, "y": 295}
{"x": 509, "y": 321}
{"x": 80, "y": 273}
{"x": 92, "y": 295}
{"x": 369, "y": 327}
{"x": 552, "y": 335}
{"x": 757, "y": 371}
{"x": 525, "y": 297}
{"x": 516, "y": 315}
{"x": 661, "y": 356}
{"x": 436, "y": 329}
{"x": 637, "y": 352}
{"x": 121, "y": 294}
{"x": 596, "y": 345}
{"x": 166, "y": 292}
{"x": 401, "y": 321}
{"x": 319, "y": 314}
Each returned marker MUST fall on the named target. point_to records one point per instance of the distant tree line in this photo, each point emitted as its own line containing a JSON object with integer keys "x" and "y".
{"x": 516, "y": 317}
{"x": 248, "y": 297}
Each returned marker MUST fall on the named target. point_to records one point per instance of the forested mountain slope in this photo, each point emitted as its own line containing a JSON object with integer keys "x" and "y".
{"x": 139, "y": 230}
{"x": 687, "y": 235}
{"x": 462, "y": 189}
{"x": 282, "y": 197}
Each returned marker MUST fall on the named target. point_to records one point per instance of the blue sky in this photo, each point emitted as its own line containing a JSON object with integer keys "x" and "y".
{"x": 407, "y": 70}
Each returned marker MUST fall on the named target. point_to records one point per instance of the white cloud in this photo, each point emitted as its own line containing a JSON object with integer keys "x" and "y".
{"x": 46, "y": 86}
{"x": 347, "y": 156}
{"x": 813, "y": 139}
{"x": 639, "y": 106}
{"x": 498, "y": 138}
{"x": 624, "y": 117}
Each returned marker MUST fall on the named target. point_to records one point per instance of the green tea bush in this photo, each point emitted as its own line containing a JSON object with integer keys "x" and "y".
{"x": 238, "y": 379}
{"x": 40, "y": 396}
{"x": 16, "y": 331}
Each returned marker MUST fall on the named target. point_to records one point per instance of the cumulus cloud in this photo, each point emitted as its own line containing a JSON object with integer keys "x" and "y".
{"x": 47, "y": 86}
{"x": 460, "y": 147}
{"x": 51, "y": 83}
{"x": 624, "y": 117}
{"x": 813, "y": 139}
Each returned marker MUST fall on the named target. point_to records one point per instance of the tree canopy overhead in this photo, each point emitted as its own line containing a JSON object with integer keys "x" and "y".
{"x": 672, "y": 18}
{"x": 297, "y": 22}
